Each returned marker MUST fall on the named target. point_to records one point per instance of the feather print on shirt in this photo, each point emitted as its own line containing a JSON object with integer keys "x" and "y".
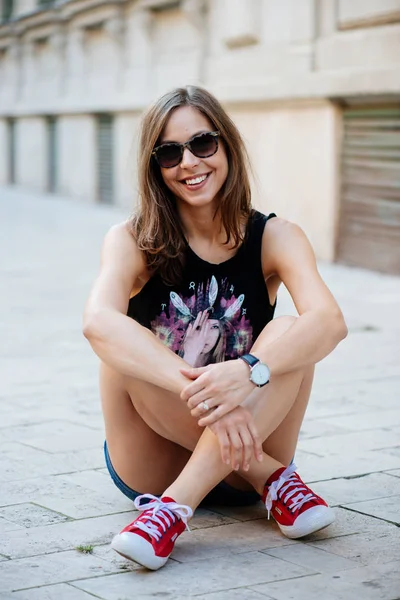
{"x": 225, "y": 332}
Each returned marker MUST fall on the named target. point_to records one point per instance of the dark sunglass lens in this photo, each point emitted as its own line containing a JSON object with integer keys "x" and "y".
{"x": 204, "y": 145}
{"x": 169, "y": 155}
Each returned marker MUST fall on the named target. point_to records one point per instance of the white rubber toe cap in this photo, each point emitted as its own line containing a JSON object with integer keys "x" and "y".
{"x": 311, "y": 520}
{"x": 135, "y": 547}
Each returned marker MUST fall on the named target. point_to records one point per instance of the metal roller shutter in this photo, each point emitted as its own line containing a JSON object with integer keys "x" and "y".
{"x": 52, "y": 154}
{"x": 105, "y": 184}
{"x": 369, "y": 226}
{"x": 7, "y": 10}
{"x": 12, "y": 149}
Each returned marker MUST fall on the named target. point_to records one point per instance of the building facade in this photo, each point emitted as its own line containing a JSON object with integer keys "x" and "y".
{"x": 314, "y": 86}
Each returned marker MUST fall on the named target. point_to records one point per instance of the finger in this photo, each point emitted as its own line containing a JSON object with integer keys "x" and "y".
{"x": 224, "y": 445}
{"x": 236, "y": 448}
{"x": 200, "y": 410}
{"x": 194, "y": 374}
{"x": 206, "y": 327}
{"x": 220, "y": 411}
{"x": 204, "y": 318}
{"x": 247, "y": 441}
{"x": 189, "y": 373}
{"x": 198, "y": 398}
{"x": 257, "y": 443}
{"x": 193, "y": 388}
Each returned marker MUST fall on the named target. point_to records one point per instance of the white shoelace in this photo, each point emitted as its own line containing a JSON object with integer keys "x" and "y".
{"x": 161, "y": 513}
{"x": 287, "y": 480}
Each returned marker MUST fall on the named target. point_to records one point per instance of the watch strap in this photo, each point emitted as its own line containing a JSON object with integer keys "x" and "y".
{"x": 250, "y": 359}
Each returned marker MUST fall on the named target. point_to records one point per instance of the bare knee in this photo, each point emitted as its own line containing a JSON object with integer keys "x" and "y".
{"x": 161, "y": 410}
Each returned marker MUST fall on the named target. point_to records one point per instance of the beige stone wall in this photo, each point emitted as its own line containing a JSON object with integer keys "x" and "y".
{"x": 363, "y": 13}
{"x": 126, "y": 130}
{"x": 293, "y": 151}
{"x": 87, "y": 55}
{"x": 273, "y": 63}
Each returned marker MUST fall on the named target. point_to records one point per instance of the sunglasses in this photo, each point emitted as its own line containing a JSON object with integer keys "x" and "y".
{"x": 201, "y": 145}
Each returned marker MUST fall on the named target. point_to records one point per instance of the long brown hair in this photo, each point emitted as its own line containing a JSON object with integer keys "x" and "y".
{"x": 156, "y": 225}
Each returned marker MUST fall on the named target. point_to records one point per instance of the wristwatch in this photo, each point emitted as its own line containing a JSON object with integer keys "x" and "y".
{"x": 259, "y": 372}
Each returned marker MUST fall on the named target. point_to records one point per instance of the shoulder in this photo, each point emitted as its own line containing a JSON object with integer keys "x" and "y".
{"x": 285, "y": 243}
{"x": 121, "y": 249}
{"x": 120, "y": 232}
{"x": 121, "y": 235}
{"x": 280, "y": 231}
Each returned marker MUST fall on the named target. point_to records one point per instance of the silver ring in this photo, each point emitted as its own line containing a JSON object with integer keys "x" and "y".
{"x": 205, "y": 406}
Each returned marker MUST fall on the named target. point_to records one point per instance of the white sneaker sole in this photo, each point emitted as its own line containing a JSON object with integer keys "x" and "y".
{"x": 312, "y": 520}
{"x": 134, "y": 547}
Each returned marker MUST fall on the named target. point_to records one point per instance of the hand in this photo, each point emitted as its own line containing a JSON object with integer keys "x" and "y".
{"x": 223, "y": 386}
{"x": 196, "y": 337}
{"x": 238, "y": 438}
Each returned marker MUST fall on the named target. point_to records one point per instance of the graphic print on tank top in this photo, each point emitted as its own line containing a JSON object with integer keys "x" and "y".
{"x": 208, "y": 326}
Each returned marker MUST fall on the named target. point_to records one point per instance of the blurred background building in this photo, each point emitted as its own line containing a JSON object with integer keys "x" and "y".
{"x": 314, "y": 86}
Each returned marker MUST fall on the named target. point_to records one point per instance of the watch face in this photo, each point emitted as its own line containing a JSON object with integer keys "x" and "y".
{"x": 260, "y": 374}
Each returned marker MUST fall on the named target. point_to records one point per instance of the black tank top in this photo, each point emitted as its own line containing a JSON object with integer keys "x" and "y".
{"x": 217, "y": 311}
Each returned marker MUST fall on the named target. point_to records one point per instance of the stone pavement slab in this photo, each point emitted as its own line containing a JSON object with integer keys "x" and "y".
{"x": 56, "y": 436}
{"x": 19, "y": 462}
{"x": 38, "y": 541}
{"x": 371, "y": 548}
{"x": 31, "y": 515}
{"x": 56, "y": 495}
{"x": 197, "y": 577}
{"x": 358, "y": 463}
{"x": 60, "y": 494}
{"x": 229, "y": 539}
{"x": 386, "y": 508}
{"x": 52, "y": 568}
{"x": 242, "y": 593}
{"x": 394, "y": 473}
{"x": 61, "y": 591}
{"x": 312, "y": 558}
{"x": 369, "y": 487}
{"x": 349, "y": 522}
{"x": 368, "y": 584}
{"x": 362, "y": 421}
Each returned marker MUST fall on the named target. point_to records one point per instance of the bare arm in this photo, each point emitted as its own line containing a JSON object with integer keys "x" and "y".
{"x": 320, "y": 326}
{"x": 315, "y": 333}
{"x": 118, "y": 340}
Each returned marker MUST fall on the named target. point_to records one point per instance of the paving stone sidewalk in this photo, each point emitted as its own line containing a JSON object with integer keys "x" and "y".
{"x": 56, "y": 496}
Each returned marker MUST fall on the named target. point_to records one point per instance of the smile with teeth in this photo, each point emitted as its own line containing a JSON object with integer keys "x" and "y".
{"x": 196, "y": 180}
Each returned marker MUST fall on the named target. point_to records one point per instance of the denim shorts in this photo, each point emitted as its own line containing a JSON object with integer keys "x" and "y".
{"x": 223, "y": 494}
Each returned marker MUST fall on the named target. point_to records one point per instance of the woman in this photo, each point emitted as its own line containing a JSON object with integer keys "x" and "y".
{"x": 196, "y": 255}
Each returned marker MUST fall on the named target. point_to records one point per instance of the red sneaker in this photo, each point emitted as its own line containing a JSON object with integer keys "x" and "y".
{"x": 296, "y": 509}
{"x": 150, "y": 538}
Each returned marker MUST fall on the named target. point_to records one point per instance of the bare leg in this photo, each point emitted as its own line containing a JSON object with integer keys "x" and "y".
{"x": 145, "y": 461}
{"x": 205, "y": 467}
{"x": 143, "y": 455}
{"x": 281, "y": 444}
{"x": 149, "y": 450}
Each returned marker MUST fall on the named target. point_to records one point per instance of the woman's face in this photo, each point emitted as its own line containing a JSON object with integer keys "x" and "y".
{"x": 212, "y": 336}
{"x": 183, "y": 124}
